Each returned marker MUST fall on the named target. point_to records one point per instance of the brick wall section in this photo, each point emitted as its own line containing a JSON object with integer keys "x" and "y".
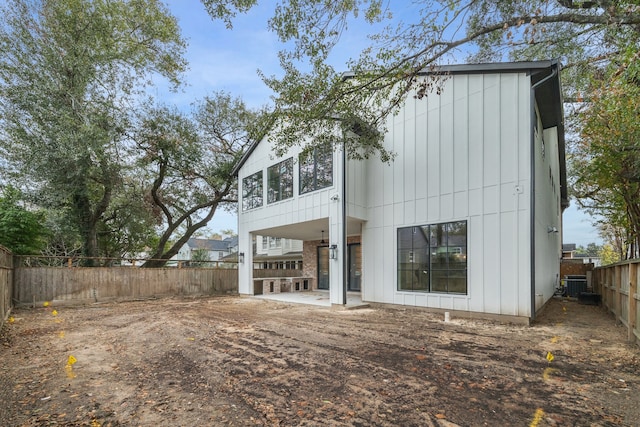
{"x": 309, "y": 263}
{"x": 571, "y": 267}
{"x": 310, "y": 254}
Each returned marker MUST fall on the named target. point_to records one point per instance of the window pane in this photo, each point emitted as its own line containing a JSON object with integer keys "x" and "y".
{"x": 405, "y": 259}
{"x": 252, "y": 191}
{"x": 324, "y": 167}
{"x": 280, "y": 181}
{"x": 433, "y": 258}
{"x": 457, "y": 245}
{"x": 316, "y": 169}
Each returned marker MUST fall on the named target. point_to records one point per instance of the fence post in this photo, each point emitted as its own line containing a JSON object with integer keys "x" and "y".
{"x": 606, "y": 288}
{"x": 633, "y": 304}
{"x": 618, "y": 290}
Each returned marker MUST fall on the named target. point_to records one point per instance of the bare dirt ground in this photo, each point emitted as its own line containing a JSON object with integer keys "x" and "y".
{"x": 243, "y": 361}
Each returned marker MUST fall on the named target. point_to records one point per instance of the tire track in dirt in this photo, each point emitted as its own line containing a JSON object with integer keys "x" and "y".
{"x": 241, "y": 361}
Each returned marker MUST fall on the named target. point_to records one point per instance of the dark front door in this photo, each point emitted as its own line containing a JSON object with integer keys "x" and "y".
{"x": 355, "y": 267}
{"x": 323, "y": 267}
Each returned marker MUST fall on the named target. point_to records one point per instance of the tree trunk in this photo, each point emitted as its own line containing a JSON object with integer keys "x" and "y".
{"x": 88, "y": 220}
{"x": 160, "y": 257}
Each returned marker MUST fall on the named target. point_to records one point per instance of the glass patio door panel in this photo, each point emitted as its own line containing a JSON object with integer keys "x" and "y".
{"x": 355, "y": 267}
{"x": 323, "y": 267}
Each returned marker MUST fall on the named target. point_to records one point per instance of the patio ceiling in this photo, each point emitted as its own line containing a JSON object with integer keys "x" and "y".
{"x": 309, "y": 230}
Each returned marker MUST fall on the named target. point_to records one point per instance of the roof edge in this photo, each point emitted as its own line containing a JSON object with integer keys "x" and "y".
{"x": 479, "y": 68}
{"x": 482, "y": 67}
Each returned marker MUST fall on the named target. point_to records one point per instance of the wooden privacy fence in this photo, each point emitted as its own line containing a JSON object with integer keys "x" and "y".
{"x": 618, "y": 286}
{"x": 35, "y": 285}
{"x": 6, "y": 281}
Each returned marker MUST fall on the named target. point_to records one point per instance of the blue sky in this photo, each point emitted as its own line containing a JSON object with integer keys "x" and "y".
{"x": 228, "y": 60}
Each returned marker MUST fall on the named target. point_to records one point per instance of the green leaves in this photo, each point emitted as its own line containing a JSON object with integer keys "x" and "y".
{"x": 70, "y": 75}
{"x": 186, "y": 163}
{"x": 312, "y": 93}
{"x": 606, "y": 161}
{"x": 21, "y": 230}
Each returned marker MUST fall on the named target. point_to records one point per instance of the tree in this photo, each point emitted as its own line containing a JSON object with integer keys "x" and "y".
{"x": 21, "y": 230}
{"x": 128, "y": 227}
{"x": 63, "y": 239}
{"x": 228, "y": 232}
{"x": 200, "y": 258}
{"x": 189, "y": 163}
{"x": 70, "y": 73}
{"x": 607, "y": 163}
{"x": 608, "y": 255}
{"x": 312, "y": 98}
{"x": 615, "y": 238}
{"x": 592, "y": 249}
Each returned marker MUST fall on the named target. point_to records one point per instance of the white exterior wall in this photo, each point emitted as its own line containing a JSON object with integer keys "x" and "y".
{"x": 462, "y": 155}
{"x": 303, "y": 208}
{"x": 548, "y": 214}
{"x": 184, "y": 254}
{"x": 285, "y": 246}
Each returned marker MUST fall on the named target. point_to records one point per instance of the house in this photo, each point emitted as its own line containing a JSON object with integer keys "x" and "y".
{"x": 214, "y": 249}
{"x": 276, "y": 253}
{"x": 568, "y": 250}
{"x": 468, "y": 216}
{"x": 570, "y": 254}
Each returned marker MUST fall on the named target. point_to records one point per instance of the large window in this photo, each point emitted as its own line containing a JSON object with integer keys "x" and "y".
{"x": 252, "y": 191}
{"x": 280, "y": 178}
{"x": 316, "y": 169}
{"x": 433, "y": 258}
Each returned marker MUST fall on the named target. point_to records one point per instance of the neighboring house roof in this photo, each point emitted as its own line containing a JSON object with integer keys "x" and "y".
{"x": 209, "y": 244}
{"x": 568, "y": 247}
{"x": 231, "y": 241}
{"x": 550, "y": 101}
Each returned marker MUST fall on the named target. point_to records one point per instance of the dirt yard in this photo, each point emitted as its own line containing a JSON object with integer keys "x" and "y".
{"x": 243, "y": 361}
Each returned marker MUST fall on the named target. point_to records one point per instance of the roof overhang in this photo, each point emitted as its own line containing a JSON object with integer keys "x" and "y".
{"x": 548, "y": 96}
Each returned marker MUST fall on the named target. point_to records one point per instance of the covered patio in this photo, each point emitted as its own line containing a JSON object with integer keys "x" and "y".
{"x": 319, "y": 298}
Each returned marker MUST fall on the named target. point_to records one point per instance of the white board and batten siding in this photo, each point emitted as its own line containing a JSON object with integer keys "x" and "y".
{"x": 548, "y": 244}
{"x": 300, "y": 208}
{"x": 461, "y": 155}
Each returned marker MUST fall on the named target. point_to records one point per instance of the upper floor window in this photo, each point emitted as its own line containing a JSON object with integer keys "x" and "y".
{"x": 280, "y": 181}
{"x": 252, "y": 191}
{"x": 316, "y": 168}
{"x": 433, "y": 258}
{"x": 275, "y": 242}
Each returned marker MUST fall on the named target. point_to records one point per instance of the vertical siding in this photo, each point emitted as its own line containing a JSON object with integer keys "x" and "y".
{"x": 462, "y": 155}
{"x": 548, "y": 245}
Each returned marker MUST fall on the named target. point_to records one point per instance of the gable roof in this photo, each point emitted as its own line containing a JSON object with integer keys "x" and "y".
{"x": 545, "y": 82}
{"x": 209, "y": 244}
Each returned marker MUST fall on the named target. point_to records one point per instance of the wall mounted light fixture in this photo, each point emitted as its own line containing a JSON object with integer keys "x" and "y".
{"x": 333, "y": 252}
{"x": 241, "y": 257}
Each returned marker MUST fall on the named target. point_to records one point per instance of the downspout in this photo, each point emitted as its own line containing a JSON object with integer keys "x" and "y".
{"x": 344, "y": 222}
{"x": 532, "y": 199}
